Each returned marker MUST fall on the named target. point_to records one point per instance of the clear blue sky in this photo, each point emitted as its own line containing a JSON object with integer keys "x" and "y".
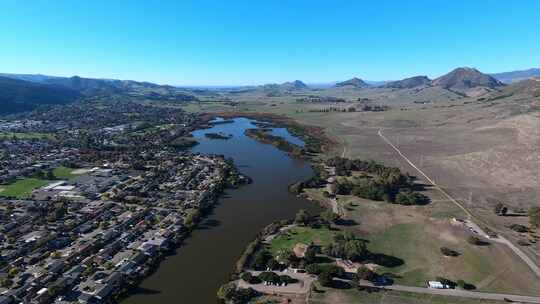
{"x": 251, "y": 42}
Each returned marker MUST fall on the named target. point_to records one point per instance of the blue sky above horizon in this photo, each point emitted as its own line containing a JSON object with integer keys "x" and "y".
{"x": 208, "y": 42}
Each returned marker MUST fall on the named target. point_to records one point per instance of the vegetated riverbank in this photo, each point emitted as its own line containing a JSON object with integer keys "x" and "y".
{"x": 206, "y": 259}
{"x": 263, "y": 135}
{"x": 316, "y": 141}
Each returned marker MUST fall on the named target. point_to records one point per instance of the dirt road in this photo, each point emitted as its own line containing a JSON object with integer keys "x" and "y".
{"x": 499, "y": 239}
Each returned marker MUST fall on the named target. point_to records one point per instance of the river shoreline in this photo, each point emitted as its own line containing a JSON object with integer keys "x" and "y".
{"x": 231, "y": 217}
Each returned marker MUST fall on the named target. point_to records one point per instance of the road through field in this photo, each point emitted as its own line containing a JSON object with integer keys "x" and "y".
{"x": 458, "y": 293}
{"x": 532, "y": 265}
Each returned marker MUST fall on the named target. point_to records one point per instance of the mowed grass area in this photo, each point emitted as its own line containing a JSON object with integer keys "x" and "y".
{"x": 22, "y": 188}
{"x": 415, "y": 235}
{"x": 304, "y": 235}
{"x": 64, "y": 173}
{"x": 30, "y": 135}
{"x": 328, "y": 296}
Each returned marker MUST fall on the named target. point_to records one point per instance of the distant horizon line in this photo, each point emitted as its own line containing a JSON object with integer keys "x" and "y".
{"x": 312, "y": 83}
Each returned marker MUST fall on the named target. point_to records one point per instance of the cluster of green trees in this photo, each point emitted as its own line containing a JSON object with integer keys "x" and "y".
{"x": 326, "y": 273}
{"x": 267, "y": 276}
{"x": 263, "y": 259}
{"x": 409, "y": 197}
{"x": 229, "y": 293}
{"x": 347, "y": 246}
{"x": 262, "y": 135}
{"x": 345, "y": 166}
{"x": 379, "y": 183}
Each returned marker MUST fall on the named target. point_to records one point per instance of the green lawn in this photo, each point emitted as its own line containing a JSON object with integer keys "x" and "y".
{"x": 305, "y": 235}
{"x": 22, "y": 188}
{"x": 64, "y": 173}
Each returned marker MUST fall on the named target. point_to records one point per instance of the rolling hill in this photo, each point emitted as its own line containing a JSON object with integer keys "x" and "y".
{"x": 467, "y": 81}
{"x": 513, "y": 76}
{"x": 19, "y": 95}
{"x": 408, "y": 83}
{"x": 353, "y": 82}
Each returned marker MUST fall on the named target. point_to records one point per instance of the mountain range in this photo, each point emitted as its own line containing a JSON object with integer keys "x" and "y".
{"x": 22, "y": 92}
{"x": 509, "y": 77}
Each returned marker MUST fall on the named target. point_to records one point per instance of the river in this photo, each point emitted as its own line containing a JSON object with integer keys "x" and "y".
{"x": 205, "y": 260}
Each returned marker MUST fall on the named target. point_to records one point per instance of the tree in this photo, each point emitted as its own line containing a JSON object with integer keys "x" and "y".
{"x": 226, "y": 291}
{"x": 50, "y": 175}
{"x": 311, "y": 254}
{"x": 329, "y": 216}
{"x": 269, "y": 276}
{"x": 13, "y": 272}
{"x": 249, "y": 278}
{"x": 500, "y": 209}
{"x": 325, "y": 278}
{"x": 261, "y": 259}
{"x": 302, "y": 217}
{"x": 364, "y": 273}
{"x": 6, "y": 282}
{"x": 272, "y": 264}
{"x": 354, "y": 249}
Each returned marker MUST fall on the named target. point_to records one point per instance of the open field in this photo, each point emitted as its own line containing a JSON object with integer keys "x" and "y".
{"x": 22, "y": 188}
{"x": 415, "y": 235}
{"x": 304, "y": 235}
{"x": 65, "y": 173}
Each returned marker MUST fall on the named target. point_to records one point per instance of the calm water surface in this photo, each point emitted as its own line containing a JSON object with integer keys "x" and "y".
{"x": 205, "y": 260}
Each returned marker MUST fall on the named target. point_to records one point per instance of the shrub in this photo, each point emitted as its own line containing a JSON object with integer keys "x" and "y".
{"x": 474, "y": 240}
{"x": 326, "y": 279}
{"x": 534, "y": 217}
{"x": 364, "y": 273}
{"x": 464, "y": 285}
{"x": 269, "y": 276}
{"x": 449, "y": 252}
{"x": 519, "y": 228}
{"x": 523, "y": 243}
{"x": 249, "y": 278}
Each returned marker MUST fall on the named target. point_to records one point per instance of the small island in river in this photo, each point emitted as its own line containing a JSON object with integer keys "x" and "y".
{"x": 219, "y": 135}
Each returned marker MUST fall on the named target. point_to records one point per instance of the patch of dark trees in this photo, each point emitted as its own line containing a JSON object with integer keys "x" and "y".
{"x": 379, "y": 182}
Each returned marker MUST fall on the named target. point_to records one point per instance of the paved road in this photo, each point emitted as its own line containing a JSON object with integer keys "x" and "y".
{"x": 532, "y": 265}
{"x": 458, "y": 293}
